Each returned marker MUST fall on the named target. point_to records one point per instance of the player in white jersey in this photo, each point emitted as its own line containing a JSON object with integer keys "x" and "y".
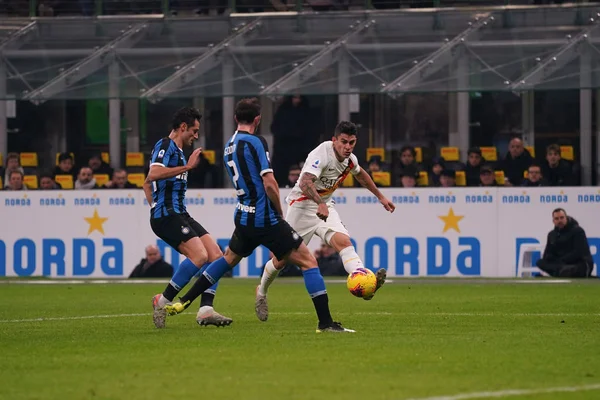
{"x": 311, "y": 209}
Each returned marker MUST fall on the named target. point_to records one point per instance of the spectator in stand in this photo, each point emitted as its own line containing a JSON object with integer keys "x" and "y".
{"x": 47, "y": 182}
{"x": 487, "y": 176}
{"x": 15, "y": 181}
{"x": 409, "y": 177}
{"x": 85, "y": 179}
{"x": 437, "y": 166}
{"x": 293, "y": 175}
{"x": 408, "y": 156}
{"x": 472, "y": 170}
{"x": 516, "y": 162}
{"x": 12, "y": 164}
{"x": 534, "y": 176}
{"x": 556, "y": 171}
{"x": 99, "y": 167}
{"x": 66, "y": 166}
{"x": 119, "y": 181}
{"x": 153, "y": 266}
{"x": 448, "y": 178}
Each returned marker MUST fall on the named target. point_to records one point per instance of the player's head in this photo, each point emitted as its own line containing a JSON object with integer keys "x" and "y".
{"x": 186, "y": 123}
{"x": 344, "y": 138}
{"x": 247, "y": 112}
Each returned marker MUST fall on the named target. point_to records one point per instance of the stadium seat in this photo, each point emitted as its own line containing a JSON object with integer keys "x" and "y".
{"x": 531, "y": 150}
{"x": 101, "y": 179}
{"x": 105, "y": 157}
{"x": 423, "y": 179}
{"x": 134, "y": 160}
{"x": 58, "y": 155}
{"x": 31, "y": 181}
{"x": 499, "y": 177}
{"x": 450, "y": 153}
{"x": 525, "y": 174}
{"x": 136, "y": 179}
{"x": 29, "y": 160}
{"x": 526, "y": 266}
{"x": 65, "y": 181}
{"x": 566, "y": 152}
{"x": 210, "y": 155}
{"x": 375, "y": 151}
{"x": 349, "y": 181}
{"x": 418, "y": 155}
{"x": 382, "y": 178}
{"x": 461, "y": 178}
{"x": 1, "y": 160}
{"x": 489, "y": 153}
{"x": 1, "y": 185}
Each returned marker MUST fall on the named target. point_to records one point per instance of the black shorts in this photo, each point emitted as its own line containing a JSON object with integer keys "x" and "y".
{"x": 177, "y": 228}
{"x": 281, "y": 239}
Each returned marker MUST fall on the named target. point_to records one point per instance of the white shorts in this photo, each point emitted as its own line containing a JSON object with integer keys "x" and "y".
{"x": 305, "y": 221}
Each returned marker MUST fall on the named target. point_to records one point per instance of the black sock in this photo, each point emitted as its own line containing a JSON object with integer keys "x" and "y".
{"x": 322, "y": 307}
{"x": 207, "y": 299}
{"x": 170, "y": 292}
{"x": 195, "y": 291}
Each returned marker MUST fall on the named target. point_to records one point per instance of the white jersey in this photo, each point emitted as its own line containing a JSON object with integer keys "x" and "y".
{"x": 330, "y": 173}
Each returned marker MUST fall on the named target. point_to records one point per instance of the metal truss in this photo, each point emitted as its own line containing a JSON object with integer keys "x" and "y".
{"x": 315, "y": 64}
{"x": 20, "y": 37}
{"x": 97, "y": 60}
{"x": 557, "y": 60}
{"x": 436, "y": 61}
{"x": 204, "y": 63}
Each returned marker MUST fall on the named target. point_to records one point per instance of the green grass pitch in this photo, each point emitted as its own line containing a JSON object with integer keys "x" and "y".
{"x": 416, "y": 339}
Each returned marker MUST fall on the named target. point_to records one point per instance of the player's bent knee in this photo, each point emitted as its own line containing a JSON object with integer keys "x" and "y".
{"x": 195, "y": 251}
{"x": 339, "y": 241}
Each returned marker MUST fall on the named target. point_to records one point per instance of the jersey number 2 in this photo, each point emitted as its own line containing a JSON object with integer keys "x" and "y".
{"x": 236, "y": 176}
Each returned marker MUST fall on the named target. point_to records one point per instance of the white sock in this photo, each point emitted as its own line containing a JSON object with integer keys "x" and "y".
{"x": 162, "y": 301}
{"x": 268, "y": 277}
{"x": 351, "y": 260}
{"x": 205, "y": 310}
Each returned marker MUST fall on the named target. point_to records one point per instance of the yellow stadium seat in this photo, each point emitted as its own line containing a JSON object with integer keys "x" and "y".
{"x": 499, "y": 177}
{"x": 134, "y": 160}
{"x": 210, "y": 155}
{"x": 65, "y": 181}
{"x": 1, "y": 185}
{"x": 566, "y": 152}
{"x": 31, "y": 181}
{"x": 531, "y": 150}
{"x": 58, "y": 155}
{"x": 419, "y": 154}
{"x": 461, "y": 178}
{"x": 423, "y": 179}
{"x": 136, "y": 179}
{"x": 489, "y": 153}
{"x": 29, "y": 159}
{"x": 349, "y": 181}
{"x": 1, "y": 160}
{"x": 375, "y": 151}
{"x": 450, "y": 153}
{"x": 382, "y": 178}
{"x": 105, "y": 157}
{"x": 525, "y": 174}
{"x": 101, "y": 179}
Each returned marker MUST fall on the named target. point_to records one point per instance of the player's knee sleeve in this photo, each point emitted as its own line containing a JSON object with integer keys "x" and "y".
{"x": 350, "y": 259}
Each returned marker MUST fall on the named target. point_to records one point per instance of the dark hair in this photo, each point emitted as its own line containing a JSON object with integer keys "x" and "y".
{"x": 185, "y": 115}
{"x": 246, "y": 110}
{"x": 346, "y": 127}
{"x": 559, "y": 210}
{"x": 486, "y": 168}
{"x": 535, "y": 164}
{"x": 16, "y": 171}
{"x": 409, "y": 148}
{"x": 475, "y": 150}
{"x": 554, "y": 148}
{"x": 294, "y": 166}
{"x": 64, "y": 156}
{"x": 46, "y": 174}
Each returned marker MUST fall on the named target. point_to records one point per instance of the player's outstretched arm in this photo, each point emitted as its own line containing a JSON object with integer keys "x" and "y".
{"x": 365, "y": 181}
{"x": 159, "y": 171}
{"x": 272, "y": 189}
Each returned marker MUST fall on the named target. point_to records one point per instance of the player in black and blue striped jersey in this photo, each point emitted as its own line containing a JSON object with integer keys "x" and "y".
{"x": 165, "y": 189}
{"x": 258, "y": 218}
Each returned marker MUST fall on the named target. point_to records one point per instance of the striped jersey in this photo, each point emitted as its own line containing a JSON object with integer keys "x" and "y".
{"x": 168, "y": 194}
{"x": 246, "y": 159}
{"x": 330, "y": 173}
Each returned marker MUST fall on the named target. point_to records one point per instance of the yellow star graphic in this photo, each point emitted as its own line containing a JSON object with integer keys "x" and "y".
{"x": 451, "y": 220}
{"x": 96, "y": 223}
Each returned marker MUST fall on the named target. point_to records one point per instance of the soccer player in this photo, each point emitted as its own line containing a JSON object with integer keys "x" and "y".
{"x": 165, "y": 189}
{"x": 259, "y": 219}
{"x": 311, "y": 209}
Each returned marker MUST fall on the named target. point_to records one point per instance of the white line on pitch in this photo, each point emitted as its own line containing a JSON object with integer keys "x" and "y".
{"x": 42, "y": 319}
{"x": 512, "y": 392}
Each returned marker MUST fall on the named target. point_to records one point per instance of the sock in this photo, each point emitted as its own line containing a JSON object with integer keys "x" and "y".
{"x": 350, "y": 259}
{"x": 268, "y": 276}
{"x": 315, "y": 285}
{"x": 213, "y": 273}
{"x": 208, "y": 297}
{"x": 187, "y": 269}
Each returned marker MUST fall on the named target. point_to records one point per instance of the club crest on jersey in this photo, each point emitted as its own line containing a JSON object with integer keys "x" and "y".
{"x": 185, "y": 230}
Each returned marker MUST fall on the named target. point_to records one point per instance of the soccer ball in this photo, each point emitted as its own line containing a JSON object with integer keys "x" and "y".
{"x": 362, "y": 282}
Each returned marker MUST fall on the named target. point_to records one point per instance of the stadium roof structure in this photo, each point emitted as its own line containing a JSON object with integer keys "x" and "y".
{"x": 394, "y": 52}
